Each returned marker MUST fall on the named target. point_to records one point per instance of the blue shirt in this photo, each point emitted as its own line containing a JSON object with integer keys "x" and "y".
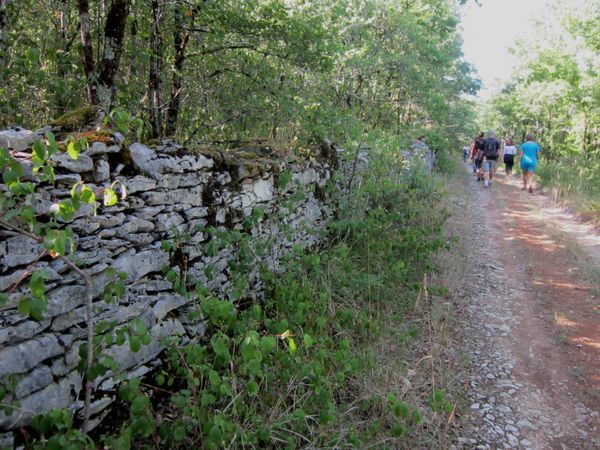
{"x": 530, "y": 152}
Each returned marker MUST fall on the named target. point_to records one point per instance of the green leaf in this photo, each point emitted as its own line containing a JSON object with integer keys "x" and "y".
{"x": 292, "y": 345}
{"x": 179, "y": 433}
{"x": 37, "y": 285}
{"x": 308, "y": 340}
{"x": 110, "y": 197}
{"x": 52, "y": 145}
{"x": 267, "y": 344}
{"x": 135, "y": 344}
{"x": 73, "y": 150}
{"x": 252, "y": 388}
{"x": 139, "y": 404}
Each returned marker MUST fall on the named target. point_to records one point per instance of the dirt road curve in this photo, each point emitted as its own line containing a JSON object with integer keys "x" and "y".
{"x": 529, "y": 283}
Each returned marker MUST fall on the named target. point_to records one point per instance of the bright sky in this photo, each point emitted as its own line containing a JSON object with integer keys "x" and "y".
{"x": 488, "y": 31}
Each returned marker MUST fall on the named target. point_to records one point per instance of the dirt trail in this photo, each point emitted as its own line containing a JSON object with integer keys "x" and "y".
{"x": 532, "y": 321}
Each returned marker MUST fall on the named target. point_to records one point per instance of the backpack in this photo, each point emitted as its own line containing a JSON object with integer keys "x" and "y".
{"x": 490, "y": 149}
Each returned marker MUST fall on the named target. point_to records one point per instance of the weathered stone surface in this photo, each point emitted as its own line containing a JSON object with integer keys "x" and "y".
{"x": 56, "y": 395}
{"x": 16, "y": 138}
{"x": 109, "y": 220}
{"x": 83, "y": 163}
{"x": 168, "y": 222}
{"x": 166, "y": 304}
{"x": 139, "y": 183}
{"x": 101, "y": 171}
{"x": 10, "y": 279}
{"x": 136, "y": 265}
{"x": 25, "y": 356}
{"x": 191, "y": 196}
{"x": 68, "y": 363}
{"x": 19, "y": 250}
{"x": 22, "y": 331}
{"x": 140, "y": 239}
{"x": 37, "y": 379}
{"x": 65, "y": 299}
{"x": 7, "y": 440}
{"x": 149, "y": 162}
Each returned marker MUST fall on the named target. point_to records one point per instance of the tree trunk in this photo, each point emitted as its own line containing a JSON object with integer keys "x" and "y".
{"x": 156, "y": 46}
{"x": 114, "y": 34}
{"x": 180, "y": 41}
{"x": 87, "y": 52}
{"x": 61, "y": 57}
{"x": 3, "y": 38}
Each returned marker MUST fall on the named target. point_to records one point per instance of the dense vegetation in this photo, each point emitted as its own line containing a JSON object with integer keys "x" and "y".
{"x": 555, "y": 93}
{"x": 365, "y": 73}
{"x": 269, "y": 69}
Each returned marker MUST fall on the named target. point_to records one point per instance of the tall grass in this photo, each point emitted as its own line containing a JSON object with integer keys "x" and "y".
{"x": 572, "y": 182}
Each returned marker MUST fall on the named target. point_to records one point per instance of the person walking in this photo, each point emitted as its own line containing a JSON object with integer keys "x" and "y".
{"x": 528, "y": 156}
{"x": 466, "y": 152}
{"x": 477, "y": 155}
{"x": 509, "y": 156}
{"x": 491, "y": 147}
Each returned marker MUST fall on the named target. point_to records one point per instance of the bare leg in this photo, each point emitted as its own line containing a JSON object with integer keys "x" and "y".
{"x": 525, "y": 177}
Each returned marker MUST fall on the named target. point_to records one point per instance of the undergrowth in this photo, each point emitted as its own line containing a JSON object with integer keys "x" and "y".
{"x": 572, "y": 182}
{"x": 330, "y": 358}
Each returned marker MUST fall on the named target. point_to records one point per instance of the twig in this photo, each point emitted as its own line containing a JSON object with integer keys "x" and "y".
{"x": 27, "y": 271}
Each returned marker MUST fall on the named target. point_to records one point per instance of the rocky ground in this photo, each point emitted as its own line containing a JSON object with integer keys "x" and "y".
{"x": 530, "y": 318}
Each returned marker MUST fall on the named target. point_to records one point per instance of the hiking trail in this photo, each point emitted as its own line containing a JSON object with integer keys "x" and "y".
{"x": 525, "y": 278}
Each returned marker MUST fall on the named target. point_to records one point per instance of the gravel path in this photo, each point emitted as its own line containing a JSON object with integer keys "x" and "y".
{"x": 531, "y": 322}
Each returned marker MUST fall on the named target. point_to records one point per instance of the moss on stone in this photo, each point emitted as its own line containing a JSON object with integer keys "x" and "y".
{"x": 78, "y": 118}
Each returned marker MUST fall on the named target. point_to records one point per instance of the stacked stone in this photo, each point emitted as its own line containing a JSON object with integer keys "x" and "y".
{"x": 171, "y": 192}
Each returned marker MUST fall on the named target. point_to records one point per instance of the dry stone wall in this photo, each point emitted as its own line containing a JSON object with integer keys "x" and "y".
{"x": 173, "y": 194}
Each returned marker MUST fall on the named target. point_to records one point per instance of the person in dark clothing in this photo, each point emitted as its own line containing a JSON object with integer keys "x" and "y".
{"x": 491, "y": 148}
{"x": 477, "y": 155}
{"x": 509, "y": 156}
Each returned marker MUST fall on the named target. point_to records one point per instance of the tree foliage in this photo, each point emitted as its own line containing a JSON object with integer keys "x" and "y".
{"x": 287, "y": 70}
{"x": 554, "y": 93}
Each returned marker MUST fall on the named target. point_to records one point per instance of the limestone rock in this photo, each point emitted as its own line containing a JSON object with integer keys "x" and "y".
{"x": 16, "y": 138}
{"x": 19, "y": 250}
{"x": 136, "y": 265}
{"x": 101, "y": 171}
{"x": 26, "y": 355}
{"x": 22, "y": 331}
{"x": 83, "y": 163}
{"x": 139, "y": 183}
{"x": 148, "y": 162}
{"x": 65, "y": 299}
{"x": 56, "y": 395}
{"x": 38, "y": 379}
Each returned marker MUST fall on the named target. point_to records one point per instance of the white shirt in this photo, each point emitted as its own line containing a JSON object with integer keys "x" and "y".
{"x": 510, "y": 150}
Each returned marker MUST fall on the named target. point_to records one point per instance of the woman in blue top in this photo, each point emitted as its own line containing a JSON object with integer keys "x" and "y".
{"x": 528, "y": 154}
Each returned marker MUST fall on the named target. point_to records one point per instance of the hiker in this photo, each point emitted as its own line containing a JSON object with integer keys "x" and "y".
{"x": 509, "y": 156}
{"x": 491, "y": 147}
{"x": 466, "y": 152}
{"x": 528, "y": 156}
{"x": 477, "y": 155}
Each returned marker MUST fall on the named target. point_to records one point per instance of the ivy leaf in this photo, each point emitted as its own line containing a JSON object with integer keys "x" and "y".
{"x": 110, "y": 197}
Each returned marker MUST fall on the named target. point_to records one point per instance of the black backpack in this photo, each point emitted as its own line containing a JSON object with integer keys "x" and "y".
{"x": 490, "y": 149}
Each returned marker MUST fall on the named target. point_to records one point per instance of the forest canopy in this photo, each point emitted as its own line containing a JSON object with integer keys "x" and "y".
{"x": 284, "y": 70}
